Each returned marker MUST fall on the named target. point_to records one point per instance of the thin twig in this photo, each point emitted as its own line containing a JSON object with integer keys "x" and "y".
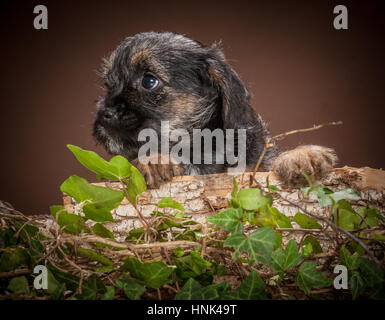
{"x": 334, "y": 226}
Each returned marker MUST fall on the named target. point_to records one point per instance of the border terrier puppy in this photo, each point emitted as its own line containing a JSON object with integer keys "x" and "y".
{"x": 162, "y": 76}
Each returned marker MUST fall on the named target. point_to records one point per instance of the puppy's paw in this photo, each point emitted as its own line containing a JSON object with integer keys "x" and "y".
{"x": 155, "y": 173}
{"x": 315, "y": 161}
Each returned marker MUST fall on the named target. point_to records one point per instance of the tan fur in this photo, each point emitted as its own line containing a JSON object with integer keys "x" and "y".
{"x": 315, "y": 161}
{"x": 156, "y": 174}
{"x": 146, "y": 57}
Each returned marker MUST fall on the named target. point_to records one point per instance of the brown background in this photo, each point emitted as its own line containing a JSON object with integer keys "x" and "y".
{"x": 300, "y": 70}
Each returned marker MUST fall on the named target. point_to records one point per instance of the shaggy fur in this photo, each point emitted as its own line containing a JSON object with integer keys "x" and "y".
{"x": 197, "y": 89}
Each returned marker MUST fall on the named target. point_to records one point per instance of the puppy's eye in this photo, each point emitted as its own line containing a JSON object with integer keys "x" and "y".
{"x": 149, "y": 82}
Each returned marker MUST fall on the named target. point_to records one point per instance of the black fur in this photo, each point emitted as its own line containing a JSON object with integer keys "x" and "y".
{"x": 189, "y": 72}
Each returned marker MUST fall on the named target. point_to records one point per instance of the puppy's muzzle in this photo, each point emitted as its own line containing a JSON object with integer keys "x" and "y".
{"x": 119, "y": 116}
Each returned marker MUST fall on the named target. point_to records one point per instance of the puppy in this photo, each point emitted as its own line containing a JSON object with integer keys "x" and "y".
{"x": 153, "y": 77}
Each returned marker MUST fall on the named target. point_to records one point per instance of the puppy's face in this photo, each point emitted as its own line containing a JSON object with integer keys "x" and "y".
{"x": 154, "y": 77}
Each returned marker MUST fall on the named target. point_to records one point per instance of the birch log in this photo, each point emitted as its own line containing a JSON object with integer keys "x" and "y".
{"x": 205, "y": 195}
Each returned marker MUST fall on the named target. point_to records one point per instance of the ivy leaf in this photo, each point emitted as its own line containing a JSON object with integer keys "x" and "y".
{"x": 316, "y": 247}
{"x": 95, "y": 256}
{"x": 99, "y": 201}
{"x": 370, "y": 215}
{"x": 252, "y": 288}
{"x": 356, "y": 284}
{"x": 230, "y": 220}
{"x": 110, "y": 293}
{"x": 215, "y": 291}
{"x": 284, "y": 221}
{"x": 135, "y": 185}
{"x": 168, "y": 202}
{"x": 131, "y": 287}
{"x": 378, "y": 291}
{"x": 197, "y": 263}
{"x": 19, "y": 284}
{"x": 178, "y": 252}
{"x": 11, "y": 259}
{"x": 154, "y": 274}
{"x": 278, "y": 261}
{"x": 267, "y": 216}
{"x": 371, "y": 273}
{"x": 92, "y": 288}
{"x": 322, "y": 193}
{"x": 252, "y": 199}
{"x": 305, "y": 222}
{"x": 102, "y": 231}
{"x": 308, "y": 277}
{"x": 190, "y": 291}
{"x": 292, "y": 255}
{"x": 351, "y": 262}
{"x": 307, "y": 249}
{"x": 345, "y": 194}
{"x": 118, "y": 167}
{"x": 71, "y": 223}
{"x": 345, "y": 216}
{"x": 259, "y": 243}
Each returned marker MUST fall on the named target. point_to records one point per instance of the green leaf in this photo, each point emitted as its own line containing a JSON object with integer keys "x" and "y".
{"x": 110, "y": 293}
{"x": 350, "y": 261}
{"x": 371, "y": 273}
{"x": 316, "y": 247}
{"x": 117, "y": 168}
{"x": 26, "y": 231}
{"x": 134, "y": 234}
{"x": 178, "y": 252}
{"x": 307, "y": 249}
{"x": 308, "y": 277}
{"x": 71, "y": 223}
{"x": 230, "y": 220}
{"x": 284, "y": 221}
{"x": 11, "y": 259}
{"x": 154, "y": 274}
{"x": 95, "y": 256}
{"x": 259, "y": 243}
{"x": 278, "y": 261}
{"x": 54, "y": 287}
{"x": 292, "y": 255}
{"x": 356, "y": 285}
{"x": 190, "y": 291}
{"x": 197, "y": 263}
{"x": 99, "y": 201}
{"x": 345, "y": 216}
{"x": 305, "y": 222}
{"x": 102, "y": 231}
{"x": 370, "y": 215}
{"x": 168, "y": 202}
{"x": 252, "y": 288}
{"x": 19, "y": 284}
{"x": 252, "y": 199}
{"x": 131, "y": 287}
{"x": 378, "y": 291}
{"x": 135, "y": 185}
{"x": 345, "y": 194}
{"x": 92, "y": 288}
{"x": 267, "y": 216}
{"x": 323, "y": 195}
{"x": 215, "y": 291}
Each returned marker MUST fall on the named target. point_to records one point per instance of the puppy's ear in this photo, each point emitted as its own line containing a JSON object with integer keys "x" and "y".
{"x": 233, "y": 95}
{"x": 236, "y": 112}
